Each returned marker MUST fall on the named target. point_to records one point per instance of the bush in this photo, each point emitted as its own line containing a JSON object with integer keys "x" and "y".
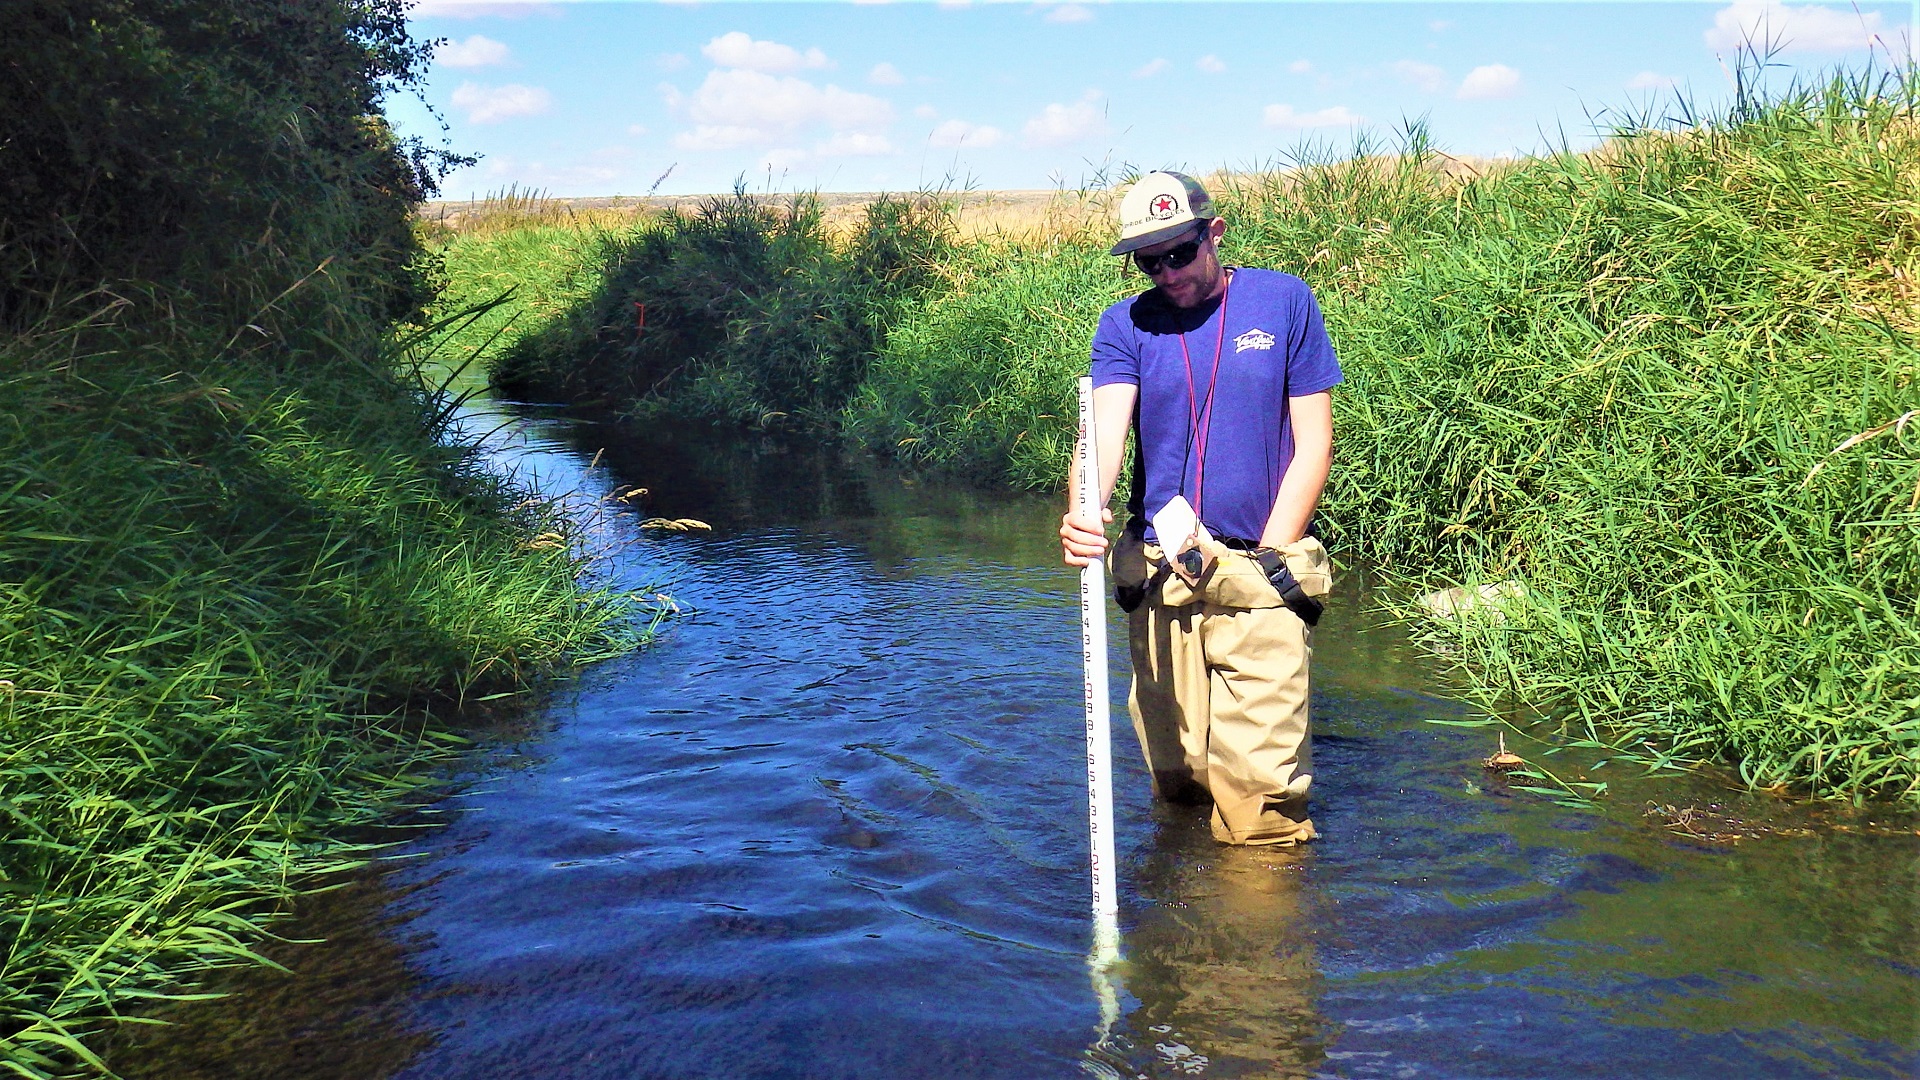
{"x": 753, "y": 311}
{"x": 189, "y": 139}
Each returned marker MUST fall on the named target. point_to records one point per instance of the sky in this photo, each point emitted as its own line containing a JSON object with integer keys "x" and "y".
{"x": 616, "y": 97}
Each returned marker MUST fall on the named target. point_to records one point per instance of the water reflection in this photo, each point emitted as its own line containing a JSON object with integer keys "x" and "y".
{"x": 1221, "y": 958}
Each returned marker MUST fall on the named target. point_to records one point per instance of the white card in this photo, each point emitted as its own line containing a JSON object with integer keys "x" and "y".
{"x": 1175, "y": 523}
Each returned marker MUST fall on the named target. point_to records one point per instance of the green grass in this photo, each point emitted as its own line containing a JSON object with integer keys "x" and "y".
{"x": 541, "y": 270}
{"x": 1660, "y": 385}
{"x": 1623, "y": 379}
{"x": 978, "y": 373}
{"x": 238, "y": 578}
{"x": 244, "y": 578}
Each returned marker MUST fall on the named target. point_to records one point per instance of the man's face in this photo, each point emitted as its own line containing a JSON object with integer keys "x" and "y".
{"x": 1198, "y": 281}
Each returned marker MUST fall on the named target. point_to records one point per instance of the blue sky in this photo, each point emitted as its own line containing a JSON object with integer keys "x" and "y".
{"x": 603, "y": 98}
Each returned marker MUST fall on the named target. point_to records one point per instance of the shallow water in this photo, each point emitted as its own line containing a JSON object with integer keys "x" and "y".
{"x": 833, "y": 825}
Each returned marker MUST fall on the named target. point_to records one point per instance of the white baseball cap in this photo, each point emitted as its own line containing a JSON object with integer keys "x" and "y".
{"x": 1159, "y": 207}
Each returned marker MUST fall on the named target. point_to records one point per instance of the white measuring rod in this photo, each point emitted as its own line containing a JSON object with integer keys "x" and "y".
{"x": 1093, "y": 648}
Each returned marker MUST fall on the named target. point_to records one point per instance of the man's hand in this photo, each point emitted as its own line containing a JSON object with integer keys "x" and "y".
{"x": 1081, "y": 541}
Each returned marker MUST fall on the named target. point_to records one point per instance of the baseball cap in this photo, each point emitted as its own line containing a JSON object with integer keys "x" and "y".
{"x": 1159, "y": 207}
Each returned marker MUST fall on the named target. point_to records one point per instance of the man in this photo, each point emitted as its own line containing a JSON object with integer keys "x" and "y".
{"x": 1225, "y": 372}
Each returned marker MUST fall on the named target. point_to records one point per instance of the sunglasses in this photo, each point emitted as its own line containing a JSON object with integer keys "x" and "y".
{"x": 1172, "y": 260}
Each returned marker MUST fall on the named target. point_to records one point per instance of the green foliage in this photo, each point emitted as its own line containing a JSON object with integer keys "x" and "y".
{"x": 978, "y": 376}
{"x": 543, "y": 272}
{"x": 187, "y": 138}
{"x": 222, "y": 597}
{"x": 239, "y": 561}
{"x": 752, "y": 311}
{"x": 1617, "y": 378}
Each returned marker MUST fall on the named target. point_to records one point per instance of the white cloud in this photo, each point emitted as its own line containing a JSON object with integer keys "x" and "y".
{"x": 1061, "y": 125}
{"x": 885, "y": 74}
{"x": 636, "y": 129}
{"x": 718, "y": 137}
{"x": 1287, "y": 118}
{"x": 673, "y": 61}
{"x": 1070, "y": 13}
{"x": 925, "y": 112}
{"x": 736, "y": 50}
{"x": 1428, "y": 77}
{"x": 1211, "y": 64}
{"x": 488, "y": 104}
{"x": 476, "y": 51}
{"x": 1151, "y": 68}
{"x": 1651, "y": 80}
{"x": 1440, "y": 26}
{"x": 734, "y": 107}
{"x": 1489, "y": 81}
{"x": 1301, "y": 67}
{"x": 1811, "y": 28}
{"x": 962, "y": 133}
{"x": 855, "y": 144}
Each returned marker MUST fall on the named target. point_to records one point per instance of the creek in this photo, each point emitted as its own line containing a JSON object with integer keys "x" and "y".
{"x": 832, "y": 825}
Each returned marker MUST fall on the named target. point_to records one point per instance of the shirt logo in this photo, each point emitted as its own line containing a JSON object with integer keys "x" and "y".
{"x": 1163, "y": 207}
{"x": 1253, "y": 339}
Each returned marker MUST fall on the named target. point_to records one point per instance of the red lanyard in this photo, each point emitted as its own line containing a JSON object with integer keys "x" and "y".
{"x": 1200, "y": 417}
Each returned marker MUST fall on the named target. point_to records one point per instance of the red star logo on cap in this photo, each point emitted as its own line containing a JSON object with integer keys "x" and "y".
{"x": 1163, "y": 206}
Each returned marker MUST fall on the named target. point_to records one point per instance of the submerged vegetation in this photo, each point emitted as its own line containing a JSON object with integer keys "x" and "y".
{"x": 241, "y": 565}
{"x": 1662, "y": 393}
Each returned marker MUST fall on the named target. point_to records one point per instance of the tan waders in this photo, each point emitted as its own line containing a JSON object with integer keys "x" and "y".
{"x": 1220, "y": 692}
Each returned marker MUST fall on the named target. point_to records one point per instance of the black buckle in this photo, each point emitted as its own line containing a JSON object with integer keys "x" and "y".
{"x": 1296, "y": 599}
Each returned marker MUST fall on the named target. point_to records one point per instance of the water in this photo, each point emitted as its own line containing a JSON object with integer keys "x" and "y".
{"x": 833, "y": 825}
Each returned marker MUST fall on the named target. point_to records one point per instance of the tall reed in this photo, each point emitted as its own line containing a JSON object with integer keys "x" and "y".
{"x": 1668, "y": 386}
{"x": 230, "y": 594}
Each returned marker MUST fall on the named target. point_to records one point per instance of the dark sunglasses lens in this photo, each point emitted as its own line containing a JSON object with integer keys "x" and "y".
{"x": 1173, "y": 260}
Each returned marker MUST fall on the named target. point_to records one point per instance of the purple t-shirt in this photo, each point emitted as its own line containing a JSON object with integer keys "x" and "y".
{"x": 1275, "y": 347}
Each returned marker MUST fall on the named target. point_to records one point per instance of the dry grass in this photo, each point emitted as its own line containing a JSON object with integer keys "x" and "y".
{"x": 1025, "y": 216}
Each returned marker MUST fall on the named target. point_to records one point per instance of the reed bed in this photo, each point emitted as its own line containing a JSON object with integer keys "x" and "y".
{"x": 246, "y": 568}
{"x": 233, "y": 596}
{"x": 1667, "y": 388}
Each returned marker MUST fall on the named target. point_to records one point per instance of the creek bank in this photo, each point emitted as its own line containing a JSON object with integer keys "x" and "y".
{"x": 242, "y": 565}
{"x": 1654, "y": 384}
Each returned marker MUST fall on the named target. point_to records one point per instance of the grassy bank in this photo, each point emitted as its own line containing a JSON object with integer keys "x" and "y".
{"x": 241, "y": 569}
{"x": 1660, "y": 386}
{"x": 1666, "y": 387}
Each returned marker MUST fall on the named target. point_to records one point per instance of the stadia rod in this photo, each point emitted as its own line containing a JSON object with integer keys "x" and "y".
{"x": 1093, "y": 646}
